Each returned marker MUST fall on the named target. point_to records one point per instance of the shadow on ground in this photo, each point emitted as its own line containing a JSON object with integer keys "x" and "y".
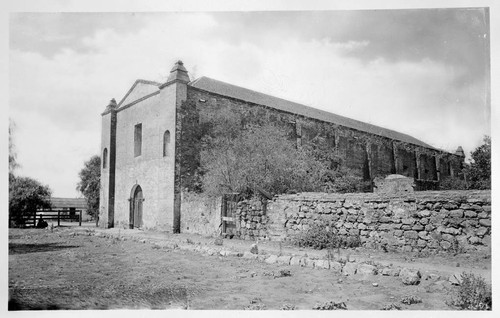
{"x": 16, "y": 248}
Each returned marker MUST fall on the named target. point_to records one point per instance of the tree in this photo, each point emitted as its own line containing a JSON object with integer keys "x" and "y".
{"x": 26, "y": 195}
{"x": 89, "y": 184}
{"x": 479, "y": 171}
{"x": 259, "y": 157}
{"x": 13, "y": 164}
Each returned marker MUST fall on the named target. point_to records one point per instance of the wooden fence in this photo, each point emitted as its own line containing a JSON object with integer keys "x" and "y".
{"x": 65, "y": 215}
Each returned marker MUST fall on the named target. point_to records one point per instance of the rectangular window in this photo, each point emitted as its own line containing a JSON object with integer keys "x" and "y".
{"x": 137, "y": 140}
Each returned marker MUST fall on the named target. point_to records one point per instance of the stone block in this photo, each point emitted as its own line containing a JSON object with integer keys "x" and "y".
{"x": 474, "y": 240}
{"x": 295, "y": 261}
{"x": 417, "y": 227}
{"x": 429, "y": 227}
{"x": 385, "y": 227}
{"x": 408, "y": 221}
{"x": 283, "y": 260}
{"x": 410, "y": 234}
{"x": 322, "y": 264}
{"x": 336, "y": 267}
{"x": 470, "y": 214}
{"x": 481, "y": 231}
{"x": 271, "y": 259}
{"x": 353, "y": 232}
{"x": 398, "y": 233}
{"x": 384, "y": 219}
{"x": 450, "y": 206}
{"x": 388, "y": 271}
{"x": 482, "y": 215}
{"x": 445, "y": 245}
{"x": 352, "y": 218}
{"x": 423, "y": 235}
{"x": 457, "y": 213}
{"x": 366, "y": 269}
{"x": 350, "y": 269}
{"x": 485, "y": 222}
{"x": 424, "y": 213}
{"x": 410, "y": 276}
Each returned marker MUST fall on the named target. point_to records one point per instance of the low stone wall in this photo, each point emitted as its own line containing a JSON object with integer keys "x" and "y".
{"x": 200, "y": 214}
{"x": 251, "y": 220}
{"x": 427, "y": 221}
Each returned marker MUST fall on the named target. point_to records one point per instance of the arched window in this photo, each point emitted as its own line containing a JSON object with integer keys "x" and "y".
{"x": 166, "y": 141}
{"x": 105, "y": 158}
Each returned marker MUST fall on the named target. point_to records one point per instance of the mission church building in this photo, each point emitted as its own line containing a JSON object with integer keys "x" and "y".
{"x": 141, "y": 181}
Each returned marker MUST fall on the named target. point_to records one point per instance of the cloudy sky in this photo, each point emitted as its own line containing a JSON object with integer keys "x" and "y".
{"x": 421, "y": 72}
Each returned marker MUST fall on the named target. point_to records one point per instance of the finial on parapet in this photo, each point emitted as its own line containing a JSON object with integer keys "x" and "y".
{"x": 460, "y": 152}
{"x": 178, "y": 73}
{"x": 111, "y": 106}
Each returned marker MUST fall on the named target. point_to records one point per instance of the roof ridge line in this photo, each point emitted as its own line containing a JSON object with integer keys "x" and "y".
{"x": 412, "y": 140}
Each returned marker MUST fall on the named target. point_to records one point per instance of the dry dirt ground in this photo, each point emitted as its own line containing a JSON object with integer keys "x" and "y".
{"x": 60, "y": 270}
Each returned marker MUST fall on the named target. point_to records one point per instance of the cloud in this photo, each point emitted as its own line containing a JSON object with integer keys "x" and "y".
{"x": 57, "y": 96}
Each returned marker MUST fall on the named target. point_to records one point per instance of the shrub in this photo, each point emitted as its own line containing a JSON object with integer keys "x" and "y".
{"x": 452, "y": 183}
{"x": 473, "y": 294}
{"x": 391, "y": 306}
{"x": 26, "y": 195}
{"x": 288, "y": 307}
{"x": 411, "y": 299}
{"x": 320, "y": 236}
{"x": 330, "y": 305}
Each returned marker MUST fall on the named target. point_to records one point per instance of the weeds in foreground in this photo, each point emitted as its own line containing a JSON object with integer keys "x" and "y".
{"x": 411, "y": 299}
{"x": 474, "y": 294}
{"x": 288, "y": 307}
{"x": 321, "y": 236}
{"x": 391, "y": 306}
{"x": 331, "y": 305}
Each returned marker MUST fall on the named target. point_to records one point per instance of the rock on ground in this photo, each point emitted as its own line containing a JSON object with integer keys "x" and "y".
{"x": 410, "y": 277}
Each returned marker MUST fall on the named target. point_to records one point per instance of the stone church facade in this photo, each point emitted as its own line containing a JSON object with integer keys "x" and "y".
{"x": 142, "y": 174}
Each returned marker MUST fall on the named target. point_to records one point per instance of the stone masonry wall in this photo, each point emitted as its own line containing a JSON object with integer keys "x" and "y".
{"x": 251, "y": 220}
{"x": 429, "y": 221}
{"x": 367, "y": 154}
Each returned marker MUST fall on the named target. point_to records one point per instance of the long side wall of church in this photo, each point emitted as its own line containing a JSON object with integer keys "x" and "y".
{"x": 367, "y": 154}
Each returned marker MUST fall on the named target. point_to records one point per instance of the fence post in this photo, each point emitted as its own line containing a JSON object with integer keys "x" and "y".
{"x": 80, "y": 219}
{"x": 58, "y": 218}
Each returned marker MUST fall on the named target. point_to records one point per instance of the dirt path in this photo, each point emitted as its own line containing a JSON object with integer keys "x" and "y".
{"x": 60, "y": 270}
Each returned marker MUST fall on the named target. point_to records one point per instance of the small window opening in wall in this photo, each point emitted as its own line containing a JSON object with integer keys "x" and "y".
{"x": 105, "y": 158}
{"x": 137, "y": 140}
{"x": 166, "y": 142}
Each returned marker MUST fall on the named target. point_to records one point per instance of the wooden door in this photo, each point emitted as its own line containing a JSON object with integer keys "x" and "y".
{"x": 138, "y": 207}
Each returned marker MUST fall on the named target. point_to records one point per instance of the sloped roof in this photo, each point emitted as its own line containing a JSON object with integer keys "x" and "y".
{"x": 233, "y": 91}
{"x": 78, "y": 203}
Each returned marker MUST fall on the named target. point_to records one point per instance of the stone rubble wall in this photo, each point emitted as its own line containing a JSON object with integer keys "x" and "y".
{"x": 428, "y": 221}
{"x": 251, "y": 220}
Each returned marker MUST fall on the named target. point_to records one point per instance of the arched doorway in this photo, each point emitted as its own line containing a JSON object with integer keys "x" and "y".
{"x": 136, "y": 200}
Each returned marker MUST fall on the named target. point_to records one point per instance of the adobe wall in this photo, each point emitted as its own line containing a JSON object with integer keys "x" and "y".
{"x": 367, "y": 154}
{"x": 153, "y": 172}
{"x": 104, "y": 188}
{"x": 200, "y": 214}
{"x": 429, "y": 221}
